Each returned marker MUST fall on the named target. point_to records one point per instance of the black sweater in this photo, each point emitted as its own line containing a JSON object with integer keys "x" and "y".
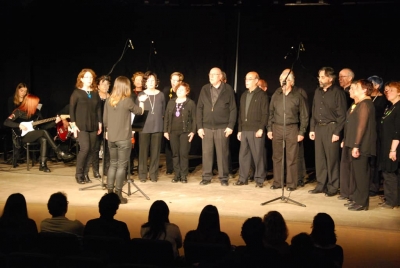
{"x": 188, "y": 116}
{"x": 222, "y": 115}
{"x": 257, "y": 114}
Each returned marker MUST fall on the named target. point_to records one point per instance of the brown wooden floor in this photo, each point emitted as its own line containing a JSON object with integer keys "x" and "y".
{"x": 369, "y": 238}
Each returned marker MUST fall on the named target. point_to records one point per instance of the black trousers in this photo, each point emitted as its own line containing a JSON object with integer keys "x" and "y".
{"x": 42, "y": 136}
{"x": 215, "y": 138}
{"x": 152, "y": 141}
{"x": 291, "y": 149}
{"x": 106, "y": 155}
{"x": 168, "y": 155}
{"x": 87, "y": 141}
{"x": 119, "y": 157}
{"x": 327, "y": 159}
{"x": 361, "y": 172}
{"x": 347, "y": 179}
{"x": 391, "y": 187}
{"x": 252, "y": 149}
{"x": 180, "y": 146}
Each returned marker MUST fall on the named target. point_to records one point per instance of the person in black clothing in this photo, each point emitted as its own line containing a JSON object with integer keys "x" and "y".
{"x": 169, "y": 94}
{"x": 13, "y": 103}
{"x": 216, "y": 117}
{"x": 380, "y": 103}
{"x": 21, "y": 120}
{"x": 86, "y": 121}
{"x": 295, "y": 119}
{"x": 106, "y": 225}
{"x": 359, "y": 144}
{"x": 252, "y": 121}
{"x": 151, "y": 135}
{"x": 389, "y": 153}
{"x": 346, "y": 77}
{"x": 118, "y": 127}
{"x": 179, "y": 129}
{"x": 326, "y": 125}
{"x": 103, "y": 85}
{"x": 137, "y": 79}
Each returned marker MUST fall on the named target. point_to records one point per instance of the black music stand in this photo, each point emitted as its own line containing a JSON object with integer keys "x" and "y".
{"x": 137, "y": 125}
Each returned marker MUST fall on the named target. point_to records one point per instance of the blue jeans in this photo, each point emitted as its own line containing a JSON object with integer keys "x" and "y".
{"x": 119, "y": 156}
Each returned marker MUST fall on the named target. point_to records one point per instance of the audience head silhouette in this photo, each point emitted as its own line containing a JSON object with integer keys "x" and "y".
{"x": 58, "y": 204}
{"x": 158, "y": 216}
{"x": 275, "y": 231}
{"x": 209, "y": 220}
{"x": 15, "y": 209}
{"x": 109, "y": 205}
{"x": 253, "y": 231}
{"x": 323, "y": 230}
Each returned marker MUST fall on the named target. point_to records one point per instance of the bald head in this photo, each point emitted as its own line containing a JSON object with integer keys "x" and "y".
{"x": 215, "y": 76}
{"x": 287, "y": 77}
{"x": 346, "y": 76}
{"x": 251, "y": 80}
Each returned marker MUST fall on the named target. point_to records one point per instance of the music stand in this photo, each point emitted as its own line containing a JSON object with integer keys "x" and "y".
{"x": 137, "y": 125}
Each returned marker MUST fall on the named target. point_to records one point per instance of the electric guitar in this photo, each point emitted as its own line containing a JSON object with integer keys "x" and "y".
{"x": 29, "y": 125}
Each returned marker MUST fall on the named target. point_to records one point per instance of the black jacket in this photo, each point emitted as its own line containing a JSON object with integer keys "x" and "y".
{"x": 188, "y": 115}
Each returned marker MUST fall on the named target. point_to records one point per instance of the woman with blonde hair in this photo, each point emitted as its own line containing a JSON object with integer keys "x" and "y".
{"x": 118, "y": 128}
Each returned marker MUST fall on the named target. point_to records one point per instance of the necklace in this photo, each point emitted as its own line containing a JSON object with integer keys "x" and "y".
{"x": 89, "y": 94}
{"x": 178, "y": 109}
{"x": 152, "y": 104}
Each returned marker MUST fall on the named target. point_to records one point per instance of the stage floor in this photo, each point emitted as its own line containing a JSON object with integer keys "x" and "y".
{"x": 369, "y": 238}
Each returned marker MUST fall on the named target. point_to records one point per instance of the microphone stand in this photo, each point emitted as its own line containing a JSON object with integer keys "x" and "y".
{"x": 283, "y": 197}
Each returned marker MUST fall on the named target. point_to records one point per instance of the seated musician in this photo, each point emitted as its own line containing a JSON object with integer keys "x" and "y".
{"x": 21, "y": 120}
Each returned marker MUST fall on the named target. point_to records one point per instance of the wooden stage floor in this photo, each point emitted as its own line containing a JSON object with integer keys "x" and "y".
{"x": 369, "y": 238}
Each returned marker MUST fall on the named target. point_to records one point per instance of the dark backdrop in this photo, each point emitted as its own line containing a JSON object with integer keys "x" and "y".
{"x": 46, "y": 43}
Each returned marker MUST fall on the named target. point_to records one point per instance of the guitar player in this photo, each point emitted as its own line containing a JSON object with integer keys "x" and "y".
{"x": 22, "y": 121}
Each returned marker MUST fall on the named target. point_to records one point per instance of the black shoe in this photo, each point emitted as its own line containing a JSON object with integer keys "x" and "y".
{"x": 64, "y": 156}
{"x": 328, "y": 194}
{"x": 175, "y": 180}
{"x": 342, "y": 198}
{"x": 385, "y": 205}
{"x": 80, "y": 179}
{"x": 96, "y": 175}
{"x": 184, "y": 180}
{"x": 224, "y": 183}
{"x": 300, "y": 183}
{"x": 205, "y": 182}
{"x": 259, "y": 185}
{"x": 240, "y": 183}
{"x": 291, "y": 189}
{"x": 169, "y": 172}
{"x": 87, "y": 179}
{"x": 153, "y": 180}
{"x": 349, "y": 204}
{"x": 43, "y": 167}
{"x": 273, "y": 187}
{"x": 356, "y": 207}
{"x": 315, "y": 191}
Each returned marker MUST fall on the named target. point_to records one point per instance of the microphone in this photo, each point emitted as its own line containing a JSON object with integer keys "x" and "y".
{"x": 130, "y": 44}
{"x": 302, "y": 47}
{"x": 155, "y": 51}
{"x": 289, "y": 53}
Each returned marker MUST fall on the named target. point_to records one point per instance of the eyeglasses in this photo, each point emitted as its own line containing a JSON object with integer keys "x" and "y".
{"x": 249, "y": 79}
{"x": 214, "y": 74}
{"x": 342, "y": 76}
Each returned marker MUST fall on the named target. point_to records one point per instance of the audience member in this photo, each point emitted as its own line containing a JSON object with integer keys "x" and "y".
{"x": 158, "y": 226}
{"x": 58, "y": 223}
{"x": 324, "y": 238}
{"x": 106, "y": 225}
{"x": 302, "y": 252}
{"x": 15, "y": 216}
{"x": 276, "y": 232}
{"x": 254, "y": 254}
{"x": 208, "y": 229}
